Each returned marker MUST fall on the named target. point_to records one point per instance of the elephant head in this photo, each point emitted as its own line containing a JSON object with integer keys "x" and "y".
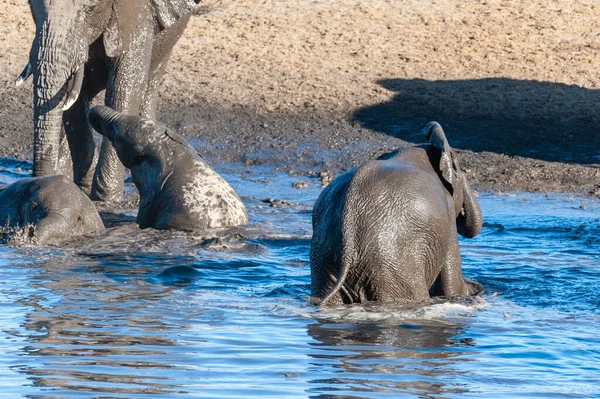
{"x": 65, "y": 30}
{"x": 468, "y": 214}
{"x": 53, "y": 205}
{"x": 178, "y": 189}
{"x": 138, "y": 141}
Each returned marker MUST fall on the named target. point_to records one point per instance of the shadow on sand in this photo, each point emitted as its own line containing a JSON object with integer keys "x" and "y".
{"x": 542, "y": 120}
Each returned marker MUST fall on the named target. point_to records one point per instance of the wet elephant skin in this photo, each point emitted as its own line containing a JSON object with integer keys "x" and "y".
{"x": 178, "y": 189}
{"x": 53, "y": 206}
{"x": 82, "y": 47}
{"x": 387, "y": 231}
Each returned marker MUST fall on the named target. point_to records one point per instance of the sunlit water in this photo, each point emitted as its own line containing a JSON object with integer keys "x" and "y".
{"x": 140, "y": 314}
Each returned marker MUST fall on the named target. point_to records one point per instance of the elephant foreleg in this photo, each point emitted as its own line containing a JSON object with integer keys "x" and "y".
{"x": 81, "y": 144}
{"x": 64, "y": 164}
{"x": 78, "y": 130}
{"x": 108, "y": 182}
{"x": 161, "y": 52}
{"x": 473, "y": 288}
{"x": 126, "y": 88}
{"x": 149, "y": 103}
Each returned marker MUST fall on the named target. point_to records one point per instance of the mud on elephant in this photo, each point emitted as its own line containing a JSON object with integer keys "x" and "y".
{"x": 82, "y": 47}
{"x": 178, "y": 189}
{"x": 49, "y": 209}
{"x": 387, "y": 231}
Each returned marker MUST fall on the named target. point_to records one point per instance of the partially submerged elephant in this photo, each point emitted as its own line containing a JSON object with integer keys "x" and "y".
{"x": 53, "y": 206}
{"x": 387, "y": 231}
{"x": 178, "y": 190}
{"x": 82, "y": 47}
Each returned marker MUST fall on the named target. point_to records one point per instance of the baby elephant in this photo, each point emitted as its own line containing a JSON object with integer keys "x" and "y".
{"x": 178, "y": 190}
{"x": 53, "y": 205}
{"x": 387, "y": 230}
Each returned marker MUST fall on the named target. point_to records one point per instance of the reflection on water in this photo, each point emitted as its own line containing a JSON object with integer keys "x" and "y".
{"x": 386, "y": 357}
{"x": 136, "y": 313}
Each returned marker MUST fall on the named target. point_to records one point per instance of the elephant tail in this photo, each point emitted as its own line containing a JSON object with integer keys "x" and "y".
{"x": 349, "y": 256}
{"x": 338, "y": 285}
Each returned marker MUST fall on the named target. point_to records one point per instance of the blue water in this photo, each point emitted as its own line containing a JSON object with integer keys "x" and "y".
{"x": 144, "y": 314}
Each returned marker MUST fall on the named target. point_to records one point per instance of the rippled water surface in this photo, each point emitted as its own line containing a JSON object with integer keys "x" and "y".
{"x": 140, "y": 314}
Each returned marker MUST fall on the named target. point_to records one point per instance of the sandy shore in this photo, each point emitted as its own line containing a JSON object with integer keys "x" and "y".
{"x": 326, "y": 84}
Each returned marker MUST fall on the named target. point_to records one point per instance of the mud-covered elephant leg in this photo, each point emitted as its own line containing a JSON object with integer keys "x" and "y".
{"x": 162, "y": 48}
{"x": 149, "y": 104}
{"x": 77, "y": 127}
{"x": 64, "y": 163}
{"x": 81, "y": 144}
{"x": 125, "y": 92}
{"x": 449, "y": 284}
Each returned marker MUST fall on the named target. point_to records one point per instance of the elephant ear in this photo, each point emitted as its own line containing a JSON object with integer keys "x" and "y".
{"x": 446, "y": 166}
{"x": 180, "y": 140}
{"x": 167, "y": 12}
{"x": 388, "y": 155}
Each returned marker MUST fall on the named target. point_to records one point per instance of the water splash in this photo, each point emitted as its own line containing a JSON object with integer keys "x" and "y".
{"x": 133, "y": 313}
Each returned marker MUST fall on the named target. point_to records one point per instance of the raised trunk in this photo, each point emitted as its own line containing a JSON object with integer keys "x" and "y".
{"x": 102, "y": 118}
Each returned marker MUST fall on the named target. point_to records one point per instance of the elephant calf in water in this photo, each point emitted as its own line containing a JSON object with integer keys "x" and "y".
{"x": 178, "y": 190}
{"x": 54, "y": 206}
{"x": 387, "y": 231}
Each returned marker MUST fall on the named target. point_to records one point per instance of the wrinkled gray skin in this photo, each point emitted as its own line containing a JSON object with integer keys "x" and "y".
{"x": 387, "y": 231}
{"x": 82, "y": 47}
{"x": 178, "y": 190}
{"x": 53, "y": 204}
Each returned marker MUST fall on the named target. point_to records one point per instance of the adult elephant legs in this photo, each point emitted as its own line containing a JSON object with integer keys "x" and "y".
{"x": 81, "y": 144}
{"x": 125, "y": 92}
{"x": 108, "y": 180}
{"x": 148, "y": 106}
{"x": 137, "y": 93}
{"x": 78, "y": 131}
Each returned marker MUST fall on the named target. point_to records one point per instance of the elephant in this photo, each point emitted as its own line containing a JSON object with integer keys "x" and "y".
{"x": 387, "y": 230}
{"x": 178, "y": 189}
{"x": 53, "y": 205}
{"x": 82, "y": 47}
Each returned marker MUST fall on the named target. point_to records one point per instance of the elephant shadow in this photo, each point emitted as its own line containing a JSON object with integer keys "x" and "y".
{"x": 542, "y": 120}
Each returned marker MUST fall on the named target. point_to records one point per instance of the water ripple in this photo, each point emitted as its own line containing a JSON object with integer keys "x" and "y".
{"x": 134, "y": 314}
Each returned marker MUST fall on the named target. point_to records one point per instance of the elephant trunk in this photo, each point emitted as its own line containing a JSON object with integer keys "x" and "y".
{"x": 469, "y": 221}
{"x": 46, "y": 141}
{"x": 101, "y": 118}
{"x": 57, "y": 75}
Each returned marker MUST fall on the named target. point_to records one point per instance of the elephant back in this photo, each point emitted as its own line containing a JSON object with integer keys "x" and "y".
{"x": 393, "y": 194}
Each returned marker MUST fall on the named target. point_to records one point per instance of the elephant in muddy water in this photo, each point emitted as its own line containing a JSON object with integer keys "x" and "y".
{"x": 48, "y": 209}
{"x": 178, "y": 190}
{"x": 82, "y": 47}
{"x": 387, "y": 231}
